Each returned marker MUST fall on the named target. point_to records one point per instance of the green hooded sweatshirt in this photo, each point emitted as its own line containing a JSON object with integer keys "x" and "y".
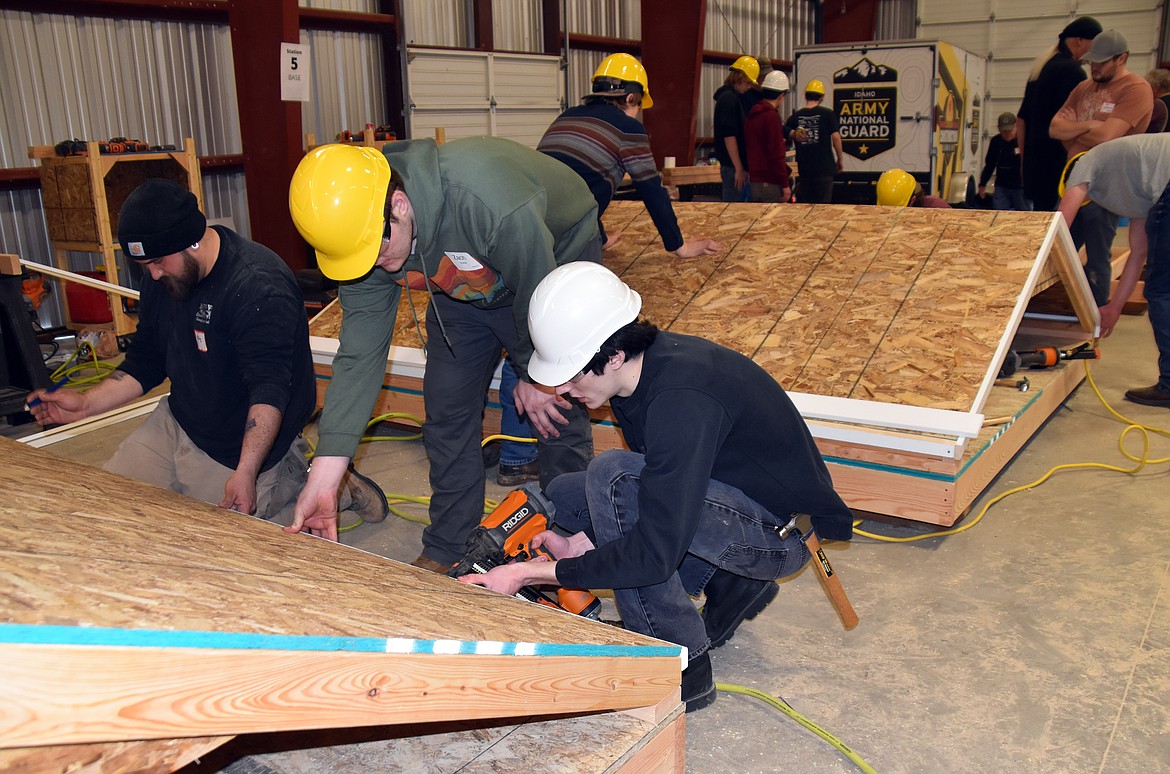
{"x": 492, "y": 218}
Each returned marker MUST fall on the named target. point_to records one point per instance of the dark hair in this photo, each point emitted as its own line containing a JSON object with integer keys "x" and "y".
{"x": 813, "y": 96}
{"x": 633, "y": 339}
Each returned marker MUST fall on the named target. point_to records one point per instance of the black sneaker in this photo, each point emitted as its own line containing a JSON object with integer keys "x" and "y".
{"x": 515, "y": 475}
{"x": 698, "y": 685}
{"x": 366, "y": 498}
{"x": 731, "y": 600}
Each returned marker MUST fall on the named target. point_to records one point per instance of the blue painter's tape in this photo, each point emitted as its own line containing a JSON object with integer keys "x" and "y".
{"x": 154, "y": 638}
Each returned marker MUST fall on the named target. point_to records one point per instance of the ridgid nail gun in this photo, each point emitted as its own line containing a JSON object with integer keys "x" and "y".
{"x": 506, "y": 534}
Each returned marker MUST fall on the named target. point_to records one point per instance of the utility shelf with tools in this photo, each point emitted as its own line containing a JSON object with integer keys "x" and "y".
{"x": 83, "y": 194}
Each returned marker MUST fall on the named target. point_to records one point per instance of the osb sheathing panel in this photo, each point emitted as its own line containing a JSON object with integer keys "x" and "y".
{"x": 872, "y": 303}
{"x": 107, "y": 551}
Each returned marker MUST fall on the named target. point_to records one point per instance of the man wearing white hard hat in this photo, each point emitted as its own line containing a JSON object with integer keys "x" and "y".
{"x": 719, "y": 461}
{"x": 764, "y": 133}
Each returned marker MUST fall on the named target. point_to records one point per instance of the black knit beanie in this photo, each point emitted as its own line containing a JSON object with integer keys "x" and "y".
{"x": 1082, "y": 27}
{"x": 159, "y": 218}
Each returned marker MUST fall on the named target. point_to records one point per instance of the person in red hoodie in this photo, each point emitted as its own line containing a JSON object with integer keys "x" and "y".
{"x": 764, "y": 133}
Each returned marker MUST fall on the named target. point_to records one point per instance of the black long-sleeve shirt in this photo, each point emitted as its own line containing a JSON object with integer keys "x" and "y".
{"x": 701, "y": 412}
{"x": 242, "y": 338}
{"x": 1003, "y": 161}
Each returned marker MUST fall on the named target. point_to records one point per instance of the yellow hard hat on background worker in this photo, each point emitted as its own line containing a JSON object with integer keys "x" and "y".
{"x": 1060, "y": 188}
{"x": 749, "y": 67}
{"x": 617, "y": 72}
{"x": 895, "y": 188}
{"x": 815, "y": 87}
{"x": 338, "y": 202}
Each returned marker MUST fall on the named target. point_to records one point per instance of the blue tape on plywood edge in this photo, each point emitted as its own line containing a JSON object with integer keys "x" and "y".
{"x": 26, "y": 634}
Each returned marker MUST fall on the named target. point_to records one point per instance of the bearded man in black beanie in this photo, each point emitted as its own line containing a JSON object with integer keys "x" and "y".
{"x": 223, "y": 319}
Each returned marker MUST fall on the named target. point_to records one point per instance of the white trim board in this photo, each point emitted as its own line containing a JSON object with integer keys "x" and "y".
{"x": 89, "y": 424}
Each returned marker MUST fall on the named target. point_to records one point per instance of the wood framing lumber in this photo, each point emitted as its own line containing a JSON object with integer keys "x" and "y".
{"x": 81, "y": 279}
{"x": 135, "y": 613}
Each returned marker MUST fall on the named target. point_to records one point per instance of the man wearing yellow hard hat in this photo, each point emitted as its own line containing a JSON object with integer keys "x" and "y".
{"x": 477, "y": 223}
{"x": 602, "y": 140}
{"x": 731, "y": 109}
{"x": 817, "y": 137}
{"x": 898, "y": 188}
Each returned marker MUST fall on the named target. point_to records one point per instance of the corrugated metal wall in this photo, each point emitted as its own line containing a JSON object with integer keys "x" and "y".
{"x": 95, "y": 78}
{"x": 518, "y": 25}
{"x": 897, "y": 19}
{"x": 349, "y": 77}
{"x": 435, "y": 23}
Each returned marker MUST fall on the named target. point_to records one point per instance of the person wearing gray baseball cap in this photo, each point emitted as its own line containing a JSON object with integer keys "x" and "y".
{"x": 1113, "y": 103}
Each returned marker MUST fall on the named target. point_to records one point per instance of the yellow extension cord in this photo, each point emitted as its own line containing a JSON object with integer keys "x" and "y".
{"x": 1141, "y": 461}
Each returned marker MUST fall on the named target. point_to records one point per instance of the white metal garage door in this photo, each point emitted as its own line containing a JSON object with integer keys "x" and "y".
{"x": 471, "y": 93}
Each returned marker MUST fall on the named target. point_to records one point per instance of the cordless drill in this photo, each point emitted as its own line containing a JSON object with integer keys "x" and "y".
{"x": 506, "y": 534}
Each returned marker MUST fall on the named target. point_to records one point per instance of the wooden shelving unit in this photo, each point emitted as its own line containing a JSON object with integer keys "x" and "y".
{"x": 82, "y": 196}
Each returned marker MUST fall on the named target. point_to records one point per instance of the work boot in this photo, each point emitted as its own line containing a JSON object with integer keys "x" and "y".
{"x": 424, "y": 562}
{"x": 731, "y": 600}
{"x": 698, "y": 684}
{"x": 515, "y": 475}
{"x": 1147, "y": 396}
{"x": 366, "y": 498}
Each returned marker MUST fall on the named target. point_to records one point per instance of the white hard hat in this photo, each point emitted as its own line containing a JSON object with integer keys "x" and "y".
{"x": 572, "y": 312}
{"x": 775, "y": 81}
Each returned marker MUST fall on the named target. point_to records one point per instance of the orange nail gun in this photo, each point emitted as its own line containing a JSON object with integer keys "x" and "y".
{"x": 1046, "y": 357}
{"x": 506, "y": 534}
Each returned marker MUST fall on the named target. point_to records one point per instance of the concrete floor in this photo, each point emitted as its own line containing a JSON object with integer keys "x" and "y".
{"x": 1037, "y": 641}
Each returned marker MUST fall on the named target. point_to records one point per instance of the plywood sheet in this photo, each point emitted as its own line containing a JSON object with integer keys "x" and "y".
{"x": 167, "y": 617}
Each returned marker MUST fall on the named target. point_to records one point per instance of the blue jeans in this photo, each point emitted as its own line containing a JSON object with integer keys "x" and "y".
{"x": 1010, "y": 199}
{"x": 1094, "y": 228}
{"x": 1158, "y": 283}
{"x": 730, "y": 192}
{"x": 513, "y": 453}
{"x": 735, "y": 533}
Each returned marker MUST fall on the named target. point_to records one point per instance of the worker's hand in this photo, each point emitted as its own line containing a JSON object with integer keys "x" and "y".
{"x": 741, "y": 179}
{"x": 841, "y": 165}
{"x": 1110, "y": 314}
{"x": 785, "y": 194}
{"x": 316, "y": 509}
{"x": 239, "y": 493}
{"x": 540, "y": 404}
{"x": 506, "y": 579}
{"x": 696, "y": 247}
{"x": 801, "y": 134}
{"x": 563, "y": 547}
{"x": 612, "y": 240}
{"x": 981, "y": 190}
{"x": 59, "y": 407}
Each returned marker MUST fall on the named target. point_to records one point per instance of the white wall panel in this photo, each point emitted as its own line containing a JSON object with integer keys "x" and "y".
{"x": 470, "y": 93}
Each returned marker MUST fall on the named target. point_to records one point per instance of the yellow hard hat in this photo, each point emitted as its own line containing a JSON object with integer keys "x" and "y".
{"x": 815, "y": 87}
{"x": 895, "y": 188}
{"x": 338, "y": 202}
{"x": 1064, "y": 177}
{"x": 627, "y": 69}
{"x": 749, "y": 67}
